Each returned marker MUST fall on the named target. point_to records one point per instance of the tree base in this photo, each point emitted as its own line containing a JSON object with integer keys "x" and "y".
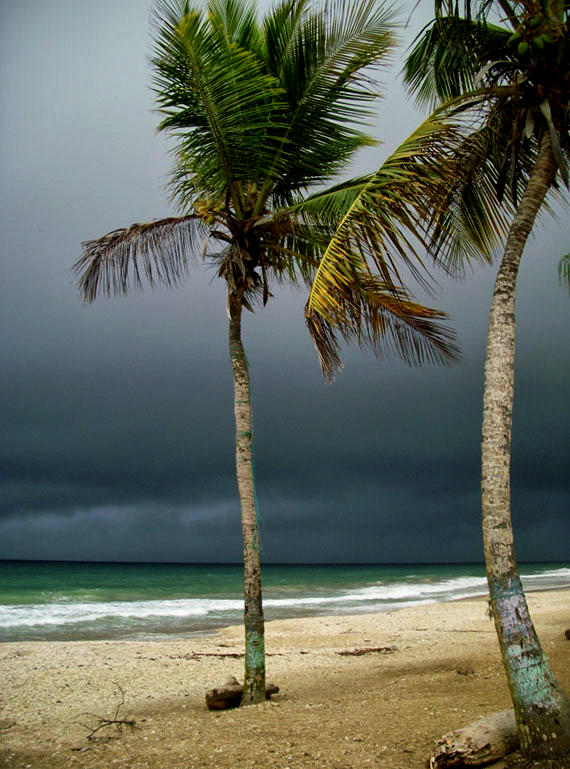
{"x": 230, "y": 695}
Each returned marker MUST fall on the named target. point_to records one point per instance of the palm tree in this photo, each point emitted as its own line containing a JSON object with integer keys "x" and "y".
{"x": 513, "y": 78}
{"x": 264, "y": 110}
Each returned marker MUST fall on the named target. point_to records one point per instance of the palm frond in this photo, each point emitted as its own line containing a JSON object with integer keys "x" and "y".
{"x": 331, "y": 204}
{"x": 471, "y": 221}
{"x": 226, "y": 110}
{"x": 235, "y": 22}
{"x": 393, "y": 207}
{"x": 327, "y": 74}
{"x": 561, "y": 161}
{"x": 280, "y": 30}
{"x": 159, "y": 252}
{"x": 449, "y": 58}
{"x": 386, "y": 217}
{"x": 384, "y": 320}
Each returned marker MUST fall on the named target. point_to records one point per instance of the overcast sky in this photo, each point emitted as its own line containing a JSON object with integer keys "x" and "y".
{"x": 117, "y": 421}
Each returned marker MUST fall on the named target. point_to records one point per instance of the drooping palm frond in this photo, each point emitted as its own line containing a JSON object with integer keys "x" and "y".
{"x": 384, "y": 221}
{"x": 294, "y": 248}
{"x": 385, "y": 320}
{"x": 159, "y": 252}
{"x": 470, "y": 221}
{"x": 386, "y": 210}
{"x": 331, "y": 205}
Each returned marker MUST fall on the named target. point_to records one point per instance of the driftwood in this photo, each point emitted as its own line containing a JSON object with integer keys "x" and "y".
{"x": 199, "y": 655}
{"x": 367, "y": 650}
{"x": 482, "y": 742}
{"x": 230, "y": 695}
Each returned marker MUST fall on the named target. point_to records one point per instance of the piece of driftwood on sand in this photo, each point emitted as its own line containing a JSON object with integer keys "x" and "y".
{"x": 230, "y": 695}
{"x": 482, "y": 742}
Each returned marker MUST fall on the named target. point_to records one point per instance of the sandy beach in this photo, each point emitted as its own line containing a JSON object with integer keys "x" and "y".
{"x": 434, "y": 668}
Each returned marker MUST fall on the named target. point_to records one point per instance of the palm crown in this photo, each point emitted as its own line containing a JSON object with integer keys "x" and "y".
{"x": 513, "y": 78}
{"x": 264, "y": 113}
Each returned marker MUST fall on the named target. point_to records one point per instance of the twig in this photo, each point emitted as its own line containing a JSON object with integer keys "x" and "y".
{"x": 102, "y": 722}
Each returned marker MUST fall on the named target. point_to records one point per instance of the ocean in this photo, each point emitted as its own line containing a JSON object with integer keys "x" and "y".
{"x": 62, "y": 601}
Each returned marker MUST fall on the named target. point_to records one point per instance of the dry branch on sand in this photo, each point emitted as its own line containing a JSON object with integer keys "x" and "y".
{"x": 367, "y": 650}
{"x": 101, "y": 722}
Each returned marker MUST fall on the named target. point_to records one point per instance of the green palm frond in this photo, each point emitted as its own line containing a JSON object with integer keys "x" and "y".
{"x": 235, "y": 23}
{"x": 280, "y": 29}
{"x": 449, "y": 57}
{"x": 227, "y": 111}
{"x": 383, "y": 319}
{"x": 393, "y": 206}
{"x": 159, "y": 252}
{"x": 387, "y": 216}
{"x": 329, "y": 58}
{"x": 471, "y": 222}
{"x": 331, "y": 205}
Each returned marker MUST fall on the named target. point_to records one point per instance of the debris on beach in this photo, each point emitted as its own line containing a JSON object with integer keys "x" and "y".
{"x": 367, "y": 650}
{"x": 230, "y": 695}
{"x": 482, "y": 742}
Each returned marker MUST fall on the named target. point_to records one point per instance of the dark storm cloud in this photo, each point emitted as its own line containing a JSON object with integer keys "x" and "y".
{"x": 117, "y": 418}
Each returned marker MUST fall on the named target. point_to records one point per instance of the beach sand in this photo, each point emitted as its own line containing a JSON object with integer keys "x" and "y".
{"x": 383, "y": 709}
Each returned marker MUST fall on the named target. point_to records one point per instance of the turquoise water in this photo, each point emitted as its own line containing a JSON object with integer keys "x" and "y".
{"x": 67, "y": 601}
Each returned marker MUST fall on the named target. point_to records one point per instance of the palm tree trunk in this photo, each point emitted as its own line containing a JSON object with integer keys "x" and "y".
{"x": 254, "y": 676}
{"x": 541, "y": 707}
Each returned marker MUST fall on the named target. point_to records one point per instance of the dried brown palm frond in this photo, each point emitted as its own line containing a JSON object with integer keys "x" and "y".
{"x": 160, "y": 252}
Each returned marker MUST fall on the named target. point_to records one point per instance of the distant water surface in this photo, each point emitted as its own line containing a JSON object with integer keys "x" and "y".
{"x": 45, "y": 601}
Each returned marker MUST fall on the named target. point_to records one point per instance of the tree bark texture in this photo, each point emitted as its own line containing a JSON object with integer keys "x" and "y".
{"x": 254, "y": 675}
{"x": 542, "y": 709}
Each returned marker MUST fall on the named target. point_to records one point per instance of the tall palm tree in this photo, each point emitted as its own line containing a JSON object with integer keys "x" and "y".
{"x": 508, "y": 66}
{"x": 264, "y": 110}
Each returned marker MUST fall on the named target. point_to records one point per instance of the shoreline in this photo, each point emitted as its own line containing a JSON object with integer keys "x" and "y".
{"x": 213, "y": 631}
{"x": 440, "y": 669}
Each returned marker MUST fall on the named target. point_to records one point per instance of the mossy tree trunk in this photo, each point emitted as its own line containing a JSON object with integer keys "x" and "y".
{"x": 254, "y": 676}
{"x": 542, "y": 709}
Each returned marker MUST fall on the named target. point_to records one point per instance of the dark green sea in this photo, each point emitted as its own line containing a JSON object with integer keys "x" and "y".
{"x": 46, "y": 600}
